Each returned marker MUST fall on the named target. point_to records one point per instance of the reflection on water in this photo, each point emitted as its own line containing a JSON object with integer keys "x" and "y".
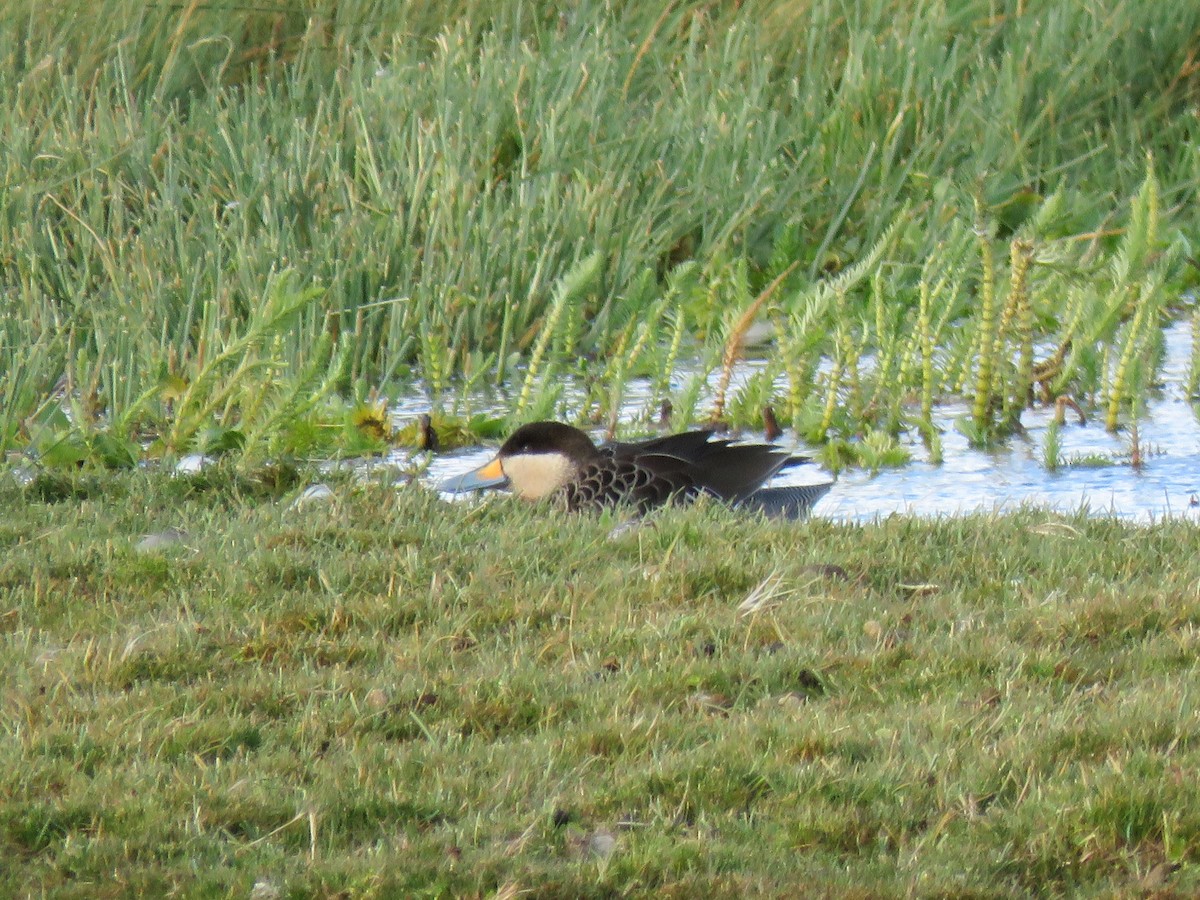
{"x": 971, "y": 480}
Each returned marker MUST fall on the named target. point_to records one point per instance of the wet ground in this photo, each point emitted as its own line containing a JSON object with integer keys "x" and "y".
{"x": 969, "y": 480}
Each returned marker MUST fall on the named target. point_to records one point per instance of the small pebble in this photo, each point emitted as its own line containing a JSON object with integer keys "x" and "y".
{"x": 265, "y": 889}
{"x": 628, "y": 527}
{"x": 314, "y": 493}
{"x": 602, "y": 844}
{"x": 160, "y": 540}
{"x": 192, "y": 463}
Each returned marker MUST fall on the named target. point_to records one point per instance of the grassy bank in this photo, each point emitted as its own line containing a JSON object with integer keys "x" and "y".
{"x": 391, "y": 696}
{"x": 225, "y": 225}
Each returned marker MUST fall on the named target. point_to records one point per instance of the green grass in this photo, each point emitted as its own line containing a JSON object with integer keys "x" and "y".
{"x": 391, "y": 696}
{"x": 416, "y": 184}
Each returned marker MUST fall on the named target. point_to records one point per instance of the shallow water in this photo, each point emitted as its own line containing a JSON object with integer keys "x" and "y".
{"x": 970, "y": 480}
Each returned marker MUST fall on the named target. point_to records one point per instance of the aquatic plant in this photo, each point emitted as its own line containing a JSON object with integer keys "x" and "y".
{"x": 440, "y": 172}
{"x": 570, "y": 288}
{"x": 1138, "y": 275}
{"x": 737, "y": 334}
{"x": 1018, "y": 316}
{"x": 988, "y": 336}
{"x": 1052, "y": 446}
{"x": 1193, "y": 378}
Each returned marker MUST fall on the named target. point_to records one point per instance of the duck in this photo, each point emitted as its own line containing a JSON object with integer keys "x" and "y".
{"x": 556, "y": 462}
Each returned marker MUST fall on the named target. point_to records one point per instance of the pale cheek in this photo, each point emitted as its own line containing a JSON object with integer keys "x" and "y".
{"x": 536, "y": 477}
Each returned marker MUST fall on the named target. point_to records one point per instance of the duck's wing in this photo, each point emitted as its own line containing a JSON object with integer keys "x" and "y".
{"x": 647, "y": 481}
{"x": 695, "y": 461}
{"x": 735, "y": 471}
{"x": 685, "y": 445}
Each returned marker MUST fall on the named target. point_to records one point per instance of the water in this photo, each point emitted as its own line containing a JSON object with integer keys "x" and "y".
{"x": 970, "y": 480}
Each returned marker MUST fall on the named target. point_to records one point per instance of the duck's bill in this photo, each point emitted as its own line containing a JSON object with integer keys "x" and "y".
{"x": 483, "y": 478}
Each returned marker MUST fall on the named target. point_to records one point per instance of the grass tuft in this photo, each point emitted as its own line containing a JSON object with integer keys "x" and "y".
{"x": 404, "y": 696}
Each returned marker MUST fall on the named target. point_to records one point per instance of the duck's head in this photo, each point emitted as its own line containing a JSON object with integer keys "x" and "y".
{"x": 536, "y": 460}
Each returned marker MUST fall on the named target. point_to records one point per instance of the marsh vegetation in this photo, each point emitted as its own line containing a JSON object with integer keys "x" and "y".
{"x": 244, "y": 230}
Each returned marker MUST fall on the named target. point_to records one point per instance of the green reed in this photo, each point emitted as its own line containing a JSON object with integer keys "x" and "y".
{"x": 567, "y": 292}
{"x": 437, "y": 170}
{"x": 736, "y": 337}
{"x": 988, "y": 334}
{"x": 1052, "y": 446}
{"x": 1019, "y": 312}
{"x": 842, "y": 350}
{"x": 1193, "y": 379}
{"x": 924, "y": 346}
{"x": 1138, "y": 276}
